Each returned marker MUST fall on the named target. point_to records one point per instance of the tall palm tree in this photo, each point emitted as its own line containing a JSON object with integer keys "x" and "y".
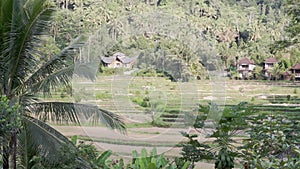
{"x": 276, "y": 71}
{"x": 23, "y": 75}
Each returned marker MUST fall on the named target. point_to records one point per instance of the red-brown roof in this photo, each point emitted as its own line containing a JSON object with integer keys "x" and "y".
{"x": 245, "y": 61}
{"x": 271, "y": 60}
{"x": 296, "y": 67}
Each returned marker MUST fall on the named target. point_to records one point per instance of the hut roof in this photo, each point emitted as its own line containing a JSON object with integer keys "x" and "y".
{"x": 296, "y": 67}
{"x": 245, "y": 61}
{"x": 118, "y": 56}
{"x": 271, "y": 60}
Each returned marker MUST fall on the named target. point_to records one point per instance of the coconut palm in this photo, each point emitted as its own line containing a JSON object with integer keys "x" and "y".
{"x": 24, "y": 74}
{"x": 276, "y": 71}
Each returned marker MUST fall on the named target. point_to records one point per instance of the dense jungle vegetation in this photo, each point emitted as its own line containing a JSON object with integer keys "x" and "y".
{"x": 41, "y": 46}
{"x": 209, "y": 34}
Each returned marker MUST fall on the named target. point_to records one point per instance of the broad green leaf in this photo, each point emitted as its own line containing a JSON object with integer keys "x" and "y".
{"x": 74, "y": 139}
{"x": 152, "y": 166}
{"x": 104, "y": 156}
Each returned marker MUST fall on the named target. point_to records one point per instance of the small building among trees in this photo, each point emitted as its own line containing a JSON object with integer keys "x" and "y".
{"x": 296, "y": 71}
{"x": 269, "y": 65}
{"x": 245, "y": 67}
{"x": 118, "y": 60}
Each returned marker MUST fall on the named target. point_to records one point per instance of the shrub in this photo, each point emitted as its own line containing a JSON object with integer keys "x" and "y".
{"x": 104, "y": 95}
{"x": 274, "y": 142}
{"x": 150, "y": 160}
{"x": 223, "y": 152}
{"x": 111, "y": 71}
{"x": 288, "y": 97}
{"x": 295, "y": 91}
{"x": 157, "y": 122}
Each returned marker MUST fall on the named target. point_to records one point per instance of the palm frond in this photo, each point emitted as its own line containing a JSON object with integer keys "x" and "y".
{"x": 64, "y": 59}
{"x": 27, "y": 99}
{"x": 56, "y": 112}
{"x": 62, "y": 112}
{"x": 29, "y": 21}
{"x": 87, "y": 70}
{"x": 60, "y": 68}
{"x": 44, "y": 137}
{"x": 5, "y": 17}
{"x": 26, "y": 149}
{"x": 63, "y": 77}
{"x": 110, "y": 119}
{"x": 41, "y": 139}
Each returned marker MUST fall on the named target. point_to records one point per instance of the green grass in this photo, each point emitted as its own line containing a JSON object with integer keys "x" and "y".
{"x": 144, "y": 132}
{"x": 139, "y": 125}
{"x": 128, "y": 142}
{"x": 103, "y": 95}
{"x": 126, "y": 95}
{"x": 175, "y": 100}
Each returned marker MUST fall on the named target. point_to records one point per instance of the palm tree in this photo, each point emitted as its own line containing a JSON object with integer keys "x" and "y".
{"x": 276, "y": 71}
{"x": 23, "y": 74}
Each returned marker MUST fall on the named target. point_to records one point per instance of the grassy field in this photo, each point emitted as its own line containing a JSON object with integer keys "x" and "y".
{"x": 142, "y": 99}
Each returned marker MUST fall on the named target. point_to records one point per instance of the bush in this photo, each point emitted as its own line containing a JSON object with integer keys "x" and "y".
{"x": 295, "y": 91}
{"x": 82, "y": 156}
{"x": 150, "y": 72}
{"x": 274, "y": 142}
{"x": 104, "y": 95}
{"x": 144, "y": 102}
{"x": 157, "y": 122}
{"x": 147, "y": 73}
{"x": 151, "y": 160}
{"x": 10, "y": 117}
{"x": 106, "y": 71}
{"x": 288, "y": 97}
{"x": 223, "y": 151}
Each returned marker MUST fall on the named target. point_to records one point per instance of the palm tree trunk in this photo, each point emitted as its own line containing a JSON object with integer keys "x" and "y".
{"x": 5, "y": 155}
{"x": 9, "y": 145}
{"x": 14, "y": 148}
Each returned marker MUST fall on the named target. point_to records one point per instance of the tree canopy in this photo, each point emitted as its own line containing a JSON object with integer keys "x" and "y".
{"x": 254, "y": 28}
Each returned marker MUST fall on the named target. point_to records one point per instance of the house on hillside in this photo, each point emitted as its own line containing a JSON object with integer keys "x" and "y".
{"x": 296, "y": 71}
{"x": 245, "y": 67}
{"x": 118, "y": 60}
{"x": 269, "y": 64}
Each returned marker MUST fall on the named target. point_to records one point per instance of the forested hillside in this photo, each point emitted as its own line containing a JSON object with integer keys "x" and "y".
{"x": 45, "y": 45}
{"x": 183, "y": 34}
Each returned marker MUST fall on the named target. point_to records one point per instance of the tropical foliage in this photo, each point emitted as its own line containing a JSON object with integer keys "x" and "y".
{"x": 41, "y": 51}
{"x": 268, "y": 141}
{"x": 255, "y": 29}
{"x": 143, "y": 160}
{"x": 273, "y": 142}
{"x": 25, "y": 72}
{"x": 146, "y": 160}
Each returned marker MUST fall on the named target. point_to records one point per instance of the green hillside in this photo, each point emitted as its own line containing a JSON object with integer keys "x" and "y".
{"x": 193, "y": 35}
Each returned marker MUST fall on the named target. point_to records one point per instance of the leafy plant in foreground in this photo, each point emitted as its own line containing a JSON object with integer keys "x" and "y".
{"x": 151, "y": 160}
{"x": 194, "y": 151}
{"x": 24, "y": 75}
{"x": 273, "y": 142}
{"x": 223, "y": 148}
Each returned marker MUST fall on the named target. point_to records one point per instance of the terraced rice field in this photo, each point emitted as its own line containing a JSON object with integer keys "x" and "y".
{"x": 169, "y": 101}
{"x": 121, "y": 94}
